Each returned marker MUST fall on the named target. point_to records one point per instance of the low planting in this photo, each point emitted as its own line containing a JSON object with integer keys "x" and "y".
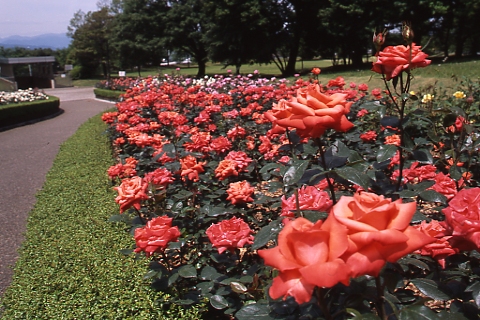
{"x": 70, "y": 266}
{"x": 106, "y": 94}
{"x": 18, "y": 112}
{"x": 314, "y": 199}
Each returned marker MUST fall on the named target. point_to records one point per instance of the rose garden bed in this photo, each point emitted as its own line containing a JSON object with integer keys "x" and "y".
{"x": 261, "y": 199}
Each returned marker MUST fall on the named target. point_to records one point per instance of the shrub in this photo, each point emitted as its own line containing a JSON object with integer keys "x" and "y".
{"x": 70, "y": 265}
{"x": 106, "y": 94}
{"x": 15, "y": 113}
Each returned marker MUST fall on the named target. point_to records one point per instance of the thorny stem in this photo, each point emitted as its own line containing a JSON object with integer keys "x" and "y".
{"x": 321, "y": 303}
{"x": 380, "y": 305}
{"x": 297, "y": 201}
{"x": 324, "y": 163}
{"x": 140, "y": 215}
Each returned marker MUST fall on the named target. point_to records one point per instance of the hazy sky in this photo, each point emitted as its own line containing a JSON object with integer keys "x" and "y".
{"x": 34, "y": 17}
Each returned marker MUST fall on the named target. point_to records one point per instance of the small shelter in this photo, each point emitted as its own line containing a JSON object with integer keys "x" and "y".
{"x": 39, "y": 75}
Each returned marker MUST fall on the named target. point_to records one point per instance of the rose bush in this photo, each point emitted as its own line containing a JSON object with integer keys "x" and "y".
{"x": 227, "y": 150}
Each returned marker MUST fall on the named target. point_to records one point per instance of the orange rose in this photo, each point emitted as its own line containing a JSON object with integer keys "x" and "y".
{"x": 240, "y": 192}
{"x": 225, "y": 169}
{"x": 311, "y": 112}
{"x": 130, "y": 193}
{"x": 441, "y": 248}
{"x": 378, "y": 230}
{"x": 308, "y": 255}
{"x": 190, "y": 168}
{"x": 392, "y": 60}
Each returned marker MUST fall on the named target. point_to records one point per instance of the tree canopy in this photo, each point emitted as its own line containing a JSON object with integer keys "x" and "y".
{"x": 136, "y": 33}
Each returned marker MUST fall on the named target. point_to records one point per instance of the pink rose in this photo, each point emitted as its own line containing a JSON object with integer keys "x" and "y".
{"x": 230, "y": 234}
{"x": 463, "y": 219}
{"x": 156, "y": 235}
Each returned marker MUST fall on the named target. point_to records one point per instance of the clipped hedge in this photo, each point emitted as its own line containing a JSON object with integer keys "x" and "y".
{"x": 111, "y": 95}
{"x": 15, "y": 113}
{"x": 70, "y": 266}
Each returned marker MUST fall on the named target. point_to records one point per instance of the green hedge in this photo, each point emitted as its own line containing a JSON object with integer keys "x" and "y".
{"x": 111, "y": 95}
{"x": 70, "y": 266}
{"x": 14, "y": 113}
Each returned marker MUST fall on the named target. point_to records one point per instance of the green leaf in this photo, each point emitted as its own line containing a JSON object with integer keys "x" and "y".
{"x": 455, "y": 172}
{"x": 205, "y": 287}
{"x": 354, "y": 176}
{"x": 423, "y": 156}
{"x": 267, "y": 233}
{"x": 218, "y": 302}
{"x": 238, "y": 287}
{"x": 187, "y": 271}
{"x": 341, "y": 149}
{"x": 417, "y": 263}
{"x": 295, "y": 172}
{"x": 417, "y": 312}
{"x": 430, "y": 289}
{"x": 269, "y": 166}
{"x": 386, "y": 152}
{"x": 433, "y": 196}
{"x": 210, "y": 273}
{"x": 358, "y": 316}
{"x": 254, "y": 311}
{"x": 475, "y": 290}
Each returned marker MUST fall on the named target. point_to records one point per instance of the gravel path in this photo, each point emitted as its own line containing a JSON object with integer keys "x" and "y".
{"x": 26, "y": 154}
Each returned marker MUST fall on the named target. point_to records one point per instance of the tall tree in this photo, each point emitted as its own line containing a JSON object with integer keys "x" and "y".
{"x": 91, "y": 45}
{"x": 186, "y": 25}
{"x": 242, "y": 31}
{"x": 139, "y": 32}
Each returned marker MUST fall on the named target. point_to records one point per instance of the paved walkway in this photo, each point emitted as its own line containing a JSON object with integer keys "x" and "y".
{"x": 26, "y": 154}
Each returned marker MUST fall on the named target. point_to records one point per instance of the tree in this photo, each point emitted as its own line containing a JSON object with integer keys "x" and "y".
{"x": 242, "y": 31}
{"x": 186, "y": 25}
{"x": 91, "y": 40}
{"x": 139, "y": 32}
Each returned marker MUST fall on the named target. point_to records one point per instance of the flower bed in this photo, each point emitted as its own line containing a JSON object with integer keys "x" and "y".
{"x": 28, "y": 95}
{"x": 359, "y": 199}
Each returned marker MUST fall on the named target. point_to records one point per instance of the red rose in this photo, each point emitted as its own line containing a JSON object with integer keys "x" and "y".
{"x": 160, "y": 176}
{"x": 463, "y": 219}
{"x": 316, "y": 71}
{"x": 230, "y": 234}
{"x": 190, "y": 168}
{"x": 241, "y": 158}
{"x": 445, "y": 185}
{"x": 309, "y": 198}
{"x": 308, "y": 255}
{"x": 156, "y": 235}
{"x": 378, "y": 230}
{"x": 131, "y": 192}
{"x": 392, "y": 60}
{"x": 368, "y": 136}
{"x": 240, "y": 192}
{"x": 220, "y": 144}
{"x": 441, "y": 248}
{"x": 311, "y": 112}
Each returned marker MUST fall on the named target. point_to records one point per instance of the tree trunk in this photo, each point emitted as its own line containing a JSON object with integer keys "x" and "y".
{"x": 202, "y": 66}
{"x": 292, "y": 58}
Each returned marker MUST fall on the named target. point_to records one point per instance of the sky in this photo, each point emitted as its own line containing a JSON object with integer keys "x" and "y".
{"x": 35, "y": 17}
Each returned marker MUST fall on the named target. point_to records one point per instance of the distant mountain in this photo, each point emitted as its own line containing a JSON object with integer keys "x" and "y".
{"x": 48, "y": 40}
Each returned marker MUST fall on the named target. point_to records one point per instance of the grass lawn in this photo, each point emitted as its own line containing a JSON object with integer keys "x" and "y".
{"x": 439, "y": 73}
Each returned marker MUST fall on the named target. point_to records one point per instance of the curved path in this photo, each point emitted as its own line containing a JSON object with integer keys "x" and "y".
{"x": 26, "y": 154}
